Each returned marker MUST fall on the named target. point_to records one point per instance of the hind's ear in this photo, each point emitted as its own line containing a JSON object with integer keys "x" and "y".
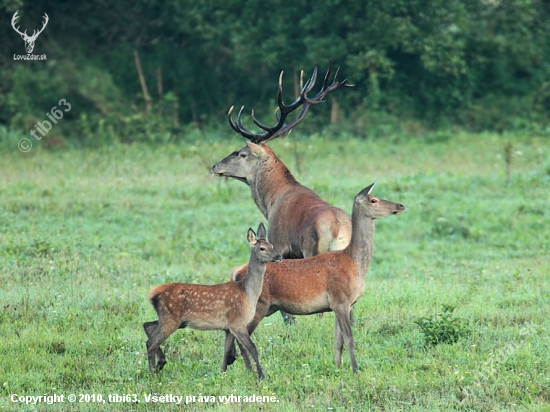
{"x": 262, "y": 234}
{"x": 366, "y": 191}
{"x": 251, "y": 237}
{"x": 369, "y": 187}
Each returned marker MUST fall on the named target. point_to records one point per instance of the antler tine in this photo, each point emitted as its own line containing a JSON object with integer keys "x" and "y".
{"x": 280, "y": 92}
{"x": 243, "y": 131}
{"x": 303, "y": 93}
{"x": 309, "y": 84}
{"x": 283, "y": 110}
{"x": 327, "y": 76}
{"x": 318, "y": 98}
{"x": 231, "y": 122}
{"x": 239, "y": 119}
{"x": 238, "y": 126}
{"x": 260, "y": 124}
{"x": 304, "y": 90}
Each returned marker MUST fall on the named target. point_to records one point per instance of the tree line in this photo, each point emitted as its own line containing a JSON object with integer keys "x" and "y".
{"x": 153, "y": 70}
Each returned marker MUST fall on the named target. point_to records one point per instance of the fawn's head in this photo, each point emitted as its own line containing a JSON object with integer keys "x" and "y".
{"x": 261, "y": 248}
{"x": 374, "y": 207}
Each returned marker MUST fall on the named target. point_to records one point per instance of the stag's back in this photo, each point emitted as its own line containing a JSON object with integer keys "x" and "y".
{"x": 303, "y": 225}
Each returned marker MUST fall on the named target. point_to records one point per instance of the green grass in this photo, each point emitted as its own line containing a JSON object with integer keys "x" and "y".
{"x": 85, "y": 234}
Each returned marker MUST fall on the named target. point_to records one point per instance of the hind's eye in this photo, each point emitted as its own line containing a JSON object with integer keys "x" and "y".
{"x": 374, "y": 200}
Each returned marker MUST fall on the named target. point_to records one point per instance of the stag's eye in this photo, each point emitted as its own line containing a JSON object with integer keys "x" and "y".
{"x": 374, "y": 200}
{"x": 262, "y": 248}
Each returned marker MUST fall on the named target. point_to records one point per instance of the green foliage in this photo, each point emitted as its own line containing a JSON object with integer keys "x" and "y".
{"x": 478, "y": 65}
{"x": 442, "y": 327}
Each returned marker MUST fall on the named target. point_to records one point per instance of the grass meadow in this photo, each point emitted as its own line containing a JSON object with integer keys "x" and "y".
{"x": 84, "y": 234}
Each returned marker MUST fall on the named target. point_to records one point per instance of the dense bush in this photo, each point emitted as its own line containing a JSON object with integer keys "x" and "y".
{"x": 443, "y": 327}
{"x": 417, "y": 65}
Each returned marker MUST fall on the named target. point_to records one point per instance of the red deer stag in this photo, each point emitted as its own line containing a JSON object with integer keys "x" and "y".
{"x": 227, "y": 306}
{"x": 301, "y": 224}
{"x": 332, "y": 281}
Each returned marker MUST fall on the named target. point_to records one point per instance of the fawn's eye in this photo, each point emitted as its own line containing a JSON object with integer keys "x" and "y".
{"x": 374, "y": 200}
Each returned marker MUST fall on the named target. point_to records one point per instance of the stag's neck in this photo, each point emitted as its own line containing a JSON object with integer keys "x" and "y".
{"x": 361, "y": 245}
{"x": 272, "y": 180}
{"x": 252, "y": 283}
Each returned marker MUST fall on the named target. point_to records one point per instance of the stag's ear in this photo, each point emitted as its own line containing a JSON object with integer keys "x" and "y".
{"x": 251, "y": 237}
{"x": 365, "y": 192}
{"x": 257, "y": 149}
{"x": 261, "y": 232}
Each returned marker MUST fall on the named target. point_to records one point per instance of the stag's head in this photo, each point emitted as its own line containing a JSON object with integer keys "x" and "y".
{"x": 242, "y": 164}
{"x": 29, "y": 40}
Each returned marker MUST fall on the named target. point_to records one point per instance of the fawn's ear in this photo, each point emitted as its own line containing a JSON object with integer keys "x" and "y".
{"x": 262, "y": 235}
{"x": 251, "y": 237}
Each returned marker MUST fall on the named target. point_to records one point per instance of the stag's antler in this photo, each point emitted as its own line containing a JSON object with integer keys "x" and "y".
{"x": 35, "y": 34}
{"x": 283, "y": 110}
